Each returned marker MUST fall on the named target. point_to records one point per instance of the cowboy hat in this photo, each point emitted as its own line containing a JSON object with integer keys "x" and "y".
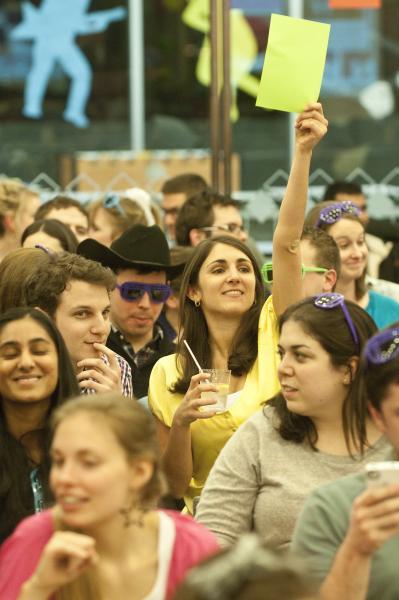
{"x": 138, "y": 246}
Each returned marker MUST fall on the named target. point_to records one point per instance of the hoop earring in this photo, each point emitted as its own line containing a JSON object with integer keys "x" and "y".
{"x": 197, "y": 303}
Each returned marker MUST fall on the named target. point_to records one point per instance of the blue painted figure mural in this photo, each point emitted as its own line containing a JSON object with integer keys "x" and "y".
{"x": 53, "y": 28}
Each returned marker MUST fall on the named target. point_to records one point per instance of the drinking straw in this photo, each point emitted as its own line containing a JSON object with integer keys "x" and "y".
{"x": 200, "y": 370}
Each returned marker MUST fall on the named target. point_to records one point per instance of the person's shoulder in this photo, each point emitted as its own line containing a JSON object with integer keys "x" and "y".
{"x": 40, "y": 522}
{"x": 382, "y": 300}
{"x": 124, "y": 365}
{"x": 38, "y": 528}
{"x": 190, "y": 534}
{"x": 167, "y": 362}
{"x": 342, "y": 490}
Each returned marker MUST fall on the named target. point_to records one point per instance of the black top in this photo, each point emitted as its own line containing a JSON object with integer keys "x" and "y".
{"x": 141, "y": 362}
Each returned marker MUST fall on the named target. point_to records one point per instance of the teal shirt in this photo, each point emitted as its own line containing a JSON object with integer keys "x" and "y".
{"x": 322, "y": 526}
{"x": 383, "y": 310}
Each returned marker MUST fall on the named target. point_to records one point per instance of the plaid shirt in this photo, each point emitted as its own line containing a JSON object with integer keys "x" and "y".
{"x": 126, "y": 377}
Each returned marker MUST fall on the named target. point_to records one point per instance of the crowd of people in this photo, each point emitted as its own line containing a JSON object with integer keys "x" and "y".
{"x": 121, "y": 475}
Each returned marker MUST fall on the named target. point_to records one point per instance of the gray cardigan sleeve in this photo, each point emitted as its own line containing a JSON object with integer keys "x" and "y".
{"x": 227, "y": 501}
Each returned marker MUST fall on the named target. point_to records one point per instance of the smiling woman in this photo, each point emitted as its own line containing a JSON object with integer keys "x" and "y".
{"x": 317, "y": 429}
{"x": 229, "y": 326}
{"x": 104, "y": 538}
{"x": 342, "y": 221}
{"x": 36, "y": 375}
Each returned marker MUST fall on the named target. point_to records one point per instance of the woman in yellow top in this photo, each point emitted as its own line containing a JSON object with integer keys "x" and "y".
{"x": 226, "y": 326}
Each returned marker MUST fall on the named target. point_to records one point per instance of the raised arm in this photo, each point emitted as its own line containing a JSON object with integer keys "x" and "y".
{"x": 310, "y": 127}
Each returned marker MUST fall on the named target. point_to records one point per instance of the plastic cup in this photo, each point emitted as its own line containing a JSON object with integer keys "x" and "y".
{"x": 220, "y": 378}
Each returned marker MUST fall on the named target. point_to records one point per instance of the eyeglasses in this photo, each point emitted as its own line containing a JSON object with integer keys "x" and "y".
{"x": 228, "y": 227}
{"x": 113, "y": 200}
{"x": 383, "y": 347}
{"x": 332, "y": 300}
{"x": 133, "y": 291}
{"x": 267, "y": 271}
{"x": 171, "y": 211}
{"x": 332, "y": 214}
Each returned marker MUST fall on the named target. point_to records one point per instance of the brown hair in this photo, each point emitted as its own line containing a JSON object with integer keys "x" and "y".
{"x": 58, "y": 203}
{"x": 187, "y": 183}
{"x": 178, "y": 255}
{"x": 330, "y": 329}
{"x": 244, "y": 348}
{"x": 327, "y": 251}
{"x": 135, "y": 431}
{"x": 16, "y": 268}
{"x": 44, "y": 288}
{"x": 311, "y": 220}
{"x": 197, "y": 212}
{"x": 13, "y": 194}
{"x": 248, "y": 571}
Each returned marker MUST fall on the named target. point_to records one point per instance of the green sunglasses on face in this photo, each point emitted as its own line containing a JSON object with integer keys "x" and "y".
{"x": 267, "y": 271}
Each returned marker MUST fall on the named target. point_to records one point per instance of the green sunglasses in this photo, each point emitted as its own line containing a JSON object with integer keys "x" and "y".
{"x": 267, "y": 271}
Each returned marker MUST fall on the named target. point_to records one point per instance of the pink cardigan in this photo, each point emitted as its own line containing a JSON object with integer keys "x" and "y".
{"x": 21, "y": 552}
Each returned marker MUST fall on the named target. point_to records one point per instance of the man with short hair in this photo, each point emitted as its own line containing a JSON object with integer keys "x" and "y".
{"x": 140, "y": 258}
{"x": 175, "y": 192}
{"x": 68, "y": 211}
{"x": 206, "y": 215}
{"x": 75, "y": 293}
{"x": 318, "y": 249}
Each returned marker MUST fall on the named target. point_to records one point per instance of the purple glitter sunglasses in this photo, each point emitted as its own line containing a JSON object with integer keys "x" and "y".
{"x": 332, "y": 214}
{"x": 133, "y": 291}
{"x": 332, "y": 300}
{"x": 383, "y": 347}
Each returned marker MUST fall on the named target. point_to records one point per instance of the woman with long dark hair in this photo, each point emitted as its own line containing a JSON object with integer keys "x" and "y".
{"x": 315, "y": 430}
{"x": 228, "y": 326}
{"x": 36, "y": 376}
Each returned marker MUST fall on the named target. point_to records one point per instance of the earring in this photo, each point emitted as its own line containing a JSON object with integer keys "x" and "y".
{"x": 129, "y": 519}
{"x": 197, "y": 303}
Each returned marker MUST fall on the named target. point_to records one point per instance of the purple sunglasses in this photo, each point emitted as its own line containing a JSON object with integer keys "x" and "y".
{"x": 383, "y": 347}
{"x": 133, "y": 291}
{"x": 332, "y": 300}
{"x": 332, "y": 214}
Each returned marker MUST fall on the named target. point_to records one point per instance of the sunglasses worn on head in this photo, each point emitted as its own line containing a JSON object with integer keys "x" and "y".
{"x": 332, "y": 214}
{"x": 331, "y": 300}
{"x": 133, "y": 291}
{"x": 113, "y": 200}
{"x": 383, "y": 347}
{"x": 267, "y": 271}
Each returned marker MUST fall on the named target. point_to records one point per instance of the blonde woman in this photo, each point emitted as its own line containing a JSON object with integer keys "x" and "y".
{"x": 110, "y": 217}
{"x": 103, "y": 538}
{"x": 18, "y": 205}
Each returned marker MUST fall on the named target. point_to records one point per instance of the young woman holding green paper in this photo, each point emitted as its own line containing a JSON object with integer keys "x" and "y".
{"x": 227, "y": 326}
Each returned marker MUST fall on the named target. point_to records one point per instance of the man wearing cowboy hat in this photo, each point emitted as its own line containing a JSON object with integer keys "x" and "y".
{"x": 141, "y": 260}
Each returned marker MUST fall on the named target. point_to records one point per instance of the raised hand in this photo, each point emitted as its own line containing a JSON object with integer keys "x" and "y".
{"x": 189, "y": 409}
{"x": 97, "y": 375}
{"x": 310, "y": 127}
{"x": 66, "y": 556}
{"x": 374, "y": 519}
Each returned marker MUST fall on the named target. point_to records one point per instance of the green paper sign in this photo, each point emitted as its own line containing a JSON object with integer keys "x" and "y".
{"x": 294, "y": 64}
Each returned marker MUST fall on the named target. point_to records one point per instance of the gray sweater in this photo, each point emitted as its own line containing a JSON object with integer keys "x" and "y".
{"x": 260, "y": 481}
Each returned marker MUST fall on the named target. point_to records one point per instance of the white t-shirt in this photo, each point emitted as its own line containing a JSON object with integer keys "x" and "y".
{"x": 166, "y": 541}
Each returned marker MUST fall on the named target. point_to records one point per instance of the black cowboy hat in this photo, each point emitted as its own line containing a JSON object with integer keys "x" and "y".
{"x": 138, "y": 246}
